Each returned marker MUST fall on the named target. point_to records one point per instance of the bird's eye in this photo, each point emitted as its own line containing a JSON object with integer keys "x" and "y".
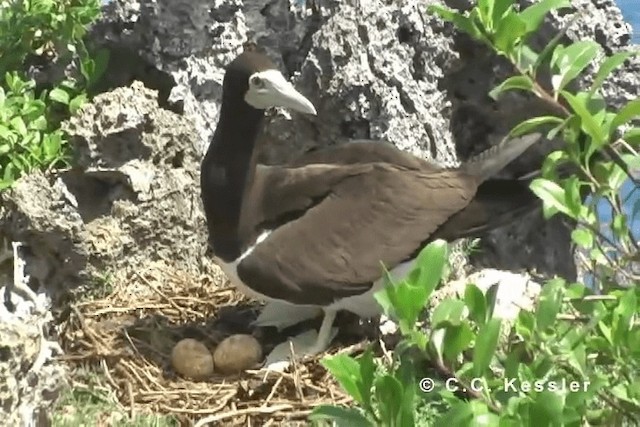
{"x": 257, "y": 82}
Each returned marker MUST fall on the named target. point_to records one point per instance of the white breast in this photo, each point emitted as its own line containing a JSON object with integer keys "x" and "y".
{"x": 231, "y": 269}
{"x": 365, "y": 305}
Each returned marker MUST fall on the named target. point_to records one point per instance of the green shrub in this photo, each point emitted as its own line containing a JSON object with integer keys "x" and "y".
{"x": 27, "y": 140}
{"x": 30, "y": 116}
{"x": 588, "y": 336}
{"x": 574, "y": 361}
{"x": 42, "y": 27}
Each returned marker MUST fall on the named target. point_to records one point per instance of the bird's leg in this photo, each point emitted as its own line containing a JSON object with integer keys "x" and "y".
{"x": 324, "y": 333}
{"x": 283, "y": 315}
{"x": 308, "y": 343}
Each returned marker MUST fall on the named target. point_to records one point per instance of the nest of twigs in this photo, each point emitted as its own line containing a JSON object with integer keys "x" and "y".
{"x": 129, "y": 334}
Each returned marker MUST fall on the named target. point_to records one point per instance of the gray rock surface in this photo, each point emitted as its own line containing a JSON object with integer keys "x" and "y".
{"x": 133, "y": 197}
{"x": 30, "y": 382}
{"x": 373, "y": 68}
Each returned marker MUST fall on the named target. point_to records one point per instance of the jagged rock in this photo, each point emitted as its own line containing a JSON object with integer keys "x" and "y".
{"x": 513, "y": 291}
{"x": 29, "y": 382}
{"x": 37, "y": 211}
{"x": 134, "y": 195}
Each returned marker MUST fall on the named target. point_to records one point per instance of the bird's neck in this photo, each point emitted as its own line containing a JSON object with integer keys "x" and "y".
{"x": 227, "y": 174}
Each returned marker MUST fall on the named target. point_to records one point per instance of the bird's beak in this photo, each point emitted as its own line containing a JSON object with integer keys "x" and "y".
{"x": 273, "y": 90}
{"x": 285, "y": 95}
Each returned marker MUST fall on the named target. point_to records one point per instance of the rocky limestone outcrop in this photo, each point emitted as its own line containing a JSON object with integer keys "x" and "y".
{"x": 132, "y": 197}
{"x": 132, "y": 194}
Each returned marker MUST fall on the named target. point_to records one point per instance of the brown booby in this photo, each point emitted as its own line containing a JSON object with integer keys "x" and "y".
{"x": 314, "y": 233}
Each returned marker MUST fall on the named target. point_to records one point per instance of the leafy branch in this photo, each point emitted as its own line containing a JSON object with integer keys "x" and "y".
{"x": 585, "y": 336}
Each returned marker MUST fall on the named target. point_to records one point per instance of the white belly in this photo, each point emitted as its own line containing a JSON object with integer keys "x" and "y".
{"x": 365, "y": 305}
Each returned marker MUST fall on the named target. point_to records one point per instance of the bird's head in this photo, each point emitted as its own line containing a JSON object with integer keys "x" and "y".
{"x": 262, "y": 85}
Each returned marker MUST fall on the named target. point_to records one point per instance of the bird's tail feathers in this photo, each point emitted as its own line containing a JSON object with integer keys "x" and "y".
{"x": 497, "y": 203}
{"x": 489, "y": 162}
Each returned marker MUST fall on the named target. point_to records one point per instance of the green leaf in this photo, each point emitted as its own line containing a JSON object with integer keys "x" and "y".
{"x": 491, "y": 296}
{"x": 367, "y": 374}
{"x": 410, "y": 301}
{"x": 347, "y": 371}
{"x": 460, "y": 21}
{"x": 617, "y": 177}
{"x": 18, "y": 124}
{"x": 515, "y": 82}
{"x": 587, "y": 121}
{"x": 500, "y": 11}
{"x": 549, "y": 303}
{"x": 436, "y": 343}
{"x": 525, "y": 58}
{"x": 460, "y": 415}
{"x": 607, "y": 66}
{"x": 404, "y": 301}
{"x": 582, "y": 237}
{"x": 632, "y": 136}
{"x": 623, "y": 316}
{"x": 38, "y": 124}
{"x": 571, "y": 61}
{"x": 552, "y": 195}
{"x": 477, "y": 304}
{"x": 573, "y": 199}
{"x": 482, "y": 417}
{"x": 101, "y": 59}
{"x": 509, "y": 32}
{"x": 386, "y": 294}
{"x": 343, "y": 417}
{"x": 530, "y": 124}
{"x": 525, "y": 324}
{"x": 87, "y": 68}
{"x": 485, "y": 13}
{"x": 9, "y": 174}
{"x": 485, "y": 346}
{"x": 431, "y": 262}
{"x": 620, "y": 391}
{"x": 456, "y": 340}
{"x": 447, "y": 313}
{"x": 52, "y": 145}
{"x": 6, "y": 133}
{"x": 59, "y": 95}
{"x": 389, "y": 396}
{"x": 534, "y": 14}
{"x": 627, "y": 113}
{"x": 77, "y": 102}
{"x": 547, "y": 408}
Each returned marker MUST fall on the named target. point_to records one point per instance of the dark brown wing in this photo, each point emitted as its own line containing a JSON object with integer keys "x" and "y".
{"x": 497, "y": 202}
{"x": 382, "y": 214}
{"x": 365, "y": 151}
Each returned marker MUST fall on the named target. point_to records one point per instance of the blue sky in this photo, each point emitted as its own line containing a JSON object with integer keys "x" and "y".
{"x": 631, "y": 12}
{"x": 630, "y": 192}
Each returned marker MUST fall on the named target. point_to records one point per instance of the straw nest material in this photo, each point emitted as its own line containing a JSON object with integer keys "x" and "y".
{"x": 128, "y": 337}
